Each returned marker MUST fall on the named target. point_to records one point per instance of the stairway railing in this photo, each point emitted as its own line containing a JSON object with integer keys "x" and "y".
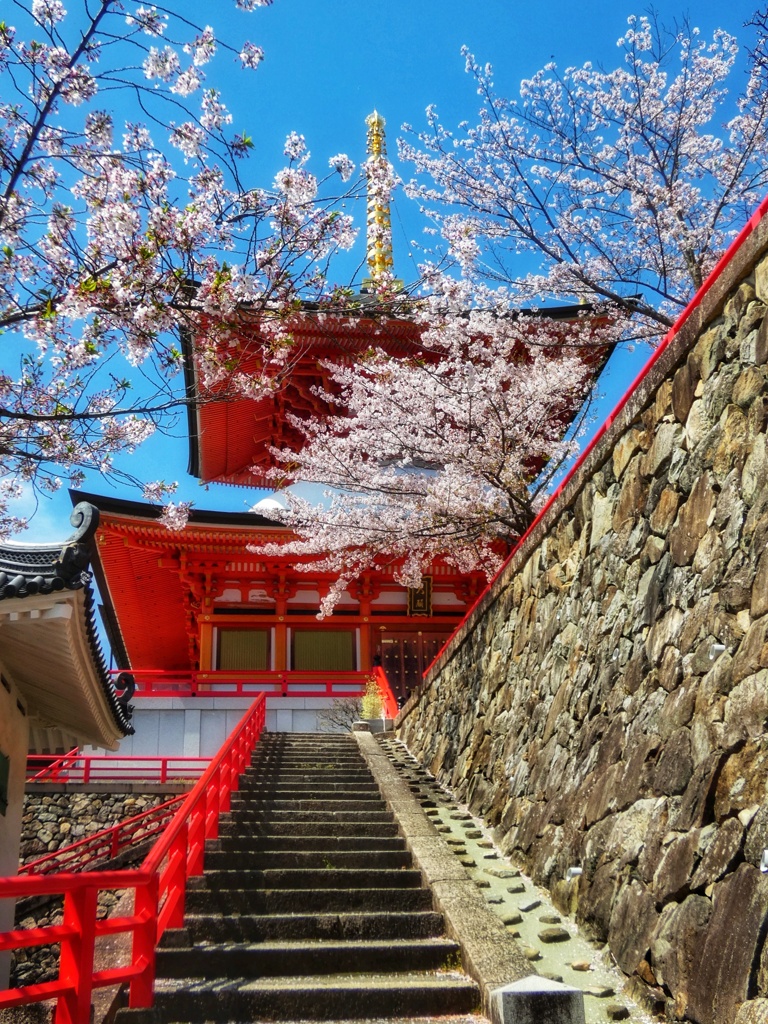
{"x": 108, "y": 843}
{"x": 159, "y": 887}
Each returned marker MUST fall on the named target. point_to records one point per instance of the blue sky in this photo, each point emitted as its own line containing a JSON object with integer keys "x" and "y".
{"x": 329, "y": 63}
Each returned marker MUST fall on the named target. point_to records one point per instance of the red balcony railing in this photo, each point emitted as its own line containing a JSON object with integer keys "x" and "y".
{"x": 159, "y": 887}
{"x": 160, "y": 683}
{"x": 91, "y": 768}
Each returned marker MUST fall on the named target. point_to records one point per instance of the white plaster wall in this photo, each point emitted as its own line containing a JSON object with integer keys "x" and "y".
{"x": 197, "y": 727}
{"x": 14, "y": 743}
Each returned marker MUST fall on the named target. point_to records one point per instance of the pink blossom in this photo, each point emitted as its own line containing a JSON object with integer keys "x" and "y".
{"x": 48, "y": 11}
{"x": 295, "y": 147}
{"x": 176, "y": 516}
{"x": 149, "y": 20}
{"x": 162, "y": 64}
{"x": 343, "y": 165}
{"x": 203, "y": 47}
{"x": 251, "y": 55}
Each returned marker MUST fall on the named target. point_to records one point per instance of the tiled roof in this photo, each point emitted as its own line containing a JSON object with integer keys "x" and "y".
{"x": 27, "y": 571}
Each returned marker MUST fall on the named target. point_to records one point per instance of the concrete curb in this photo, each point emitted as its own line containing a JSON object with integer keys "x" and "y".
{"x": 490, "y": 955}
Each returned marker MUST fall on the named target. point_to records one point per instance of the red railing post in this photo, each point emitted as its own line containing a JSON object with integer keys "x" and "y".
{"x": 144, "y": 941}
{"x": 213, "y": 806}
{"x": 76, "y": 960}
{"x": 177, "y": 881}
{"x": 196, "y": 836}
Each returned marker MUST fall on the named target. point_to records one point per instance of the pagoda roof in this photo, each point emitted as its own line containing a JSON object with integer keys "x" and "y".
{"x": 230, "y": 440}
{"x": 231, "y": 436}
{"x": 148, "y": 575}
{"x": 48, "y": 640}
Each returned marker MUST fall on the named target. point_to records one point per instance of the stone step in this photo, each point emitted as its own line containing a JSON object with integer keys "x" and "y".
{"x": 305, "y": 859}
{"x": 247, "y": 843}
{"x": 278, "y": 959}
{"x": 330, "y": 827}
{"x": 262, "y": 777}
{"x": 297, "y": 901}
{"x": 266, "y": 927}
{"x": 354, "y": 996}
{"x": 241, "y": 801}
{"x": 309, "y": 878}
{"x": 305, "y": 783}
{"x": 376, "y": 812}
{"x": 309, "y": 791}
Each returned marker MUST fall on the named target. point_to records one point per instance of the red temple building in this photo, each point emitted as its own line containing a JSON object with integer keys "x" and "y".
{"x": 200, "y": 620}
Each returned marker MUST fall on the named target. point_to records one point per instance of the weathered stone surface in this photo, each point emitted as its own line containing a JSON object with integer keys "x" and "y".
{"x": 692, "y": 522}
{"x": 664, "y": 513}
{"x": 757, "y": 837}
{"x": 682, "y": 393}
{"x": 671, "y": 880}
{"x": 742, "y": 779}
{"x": 759, "y": 602}
{"x": 634, "y": 920}
{"x": 674, "y": 947}
{"x": 675, "y": 766}
{"x": 755, "y": 1011}
{"x": 721, "y": 854}
{"x": 723, "y": 962}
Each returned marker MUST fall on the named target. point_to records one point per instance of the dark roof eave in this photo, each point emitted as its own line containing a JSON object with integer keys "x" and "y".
{"x": 197, "y": 517}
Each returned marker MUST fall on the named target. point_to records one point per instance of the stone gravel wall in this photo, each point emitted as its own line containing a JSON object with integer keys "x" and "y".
{"x": 605, "y": 708}
{"x": 53, "y": 820}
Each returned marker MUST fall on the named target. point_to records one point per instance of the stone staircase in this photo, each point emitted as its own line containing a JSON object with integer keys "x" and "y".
{"x": 309, "y": 908}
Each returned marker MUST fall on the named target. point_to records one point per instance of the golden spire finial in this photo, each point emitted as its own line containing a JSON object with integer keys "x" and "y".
{"x": 379, "y": 233}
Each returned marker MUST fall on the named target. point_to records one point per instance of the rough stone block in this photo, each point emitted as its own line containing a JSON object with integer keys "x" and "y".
{"x": 534, "y": 1000}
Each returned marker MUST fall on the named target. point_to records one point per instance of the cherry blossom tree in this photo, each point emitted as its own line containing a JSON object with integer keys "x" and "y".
{"x": 615, "y": 188}
{"x": 116, "y": 234}
{"x": 443, "y": 454}
{"x": 620, "y": 185}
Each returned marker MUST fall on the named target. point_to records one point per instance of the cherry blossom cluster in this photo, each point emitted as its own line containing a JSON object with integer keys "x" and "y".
{"x": 116, "y": 238}
{"x": 616, "y": 184}
{"x": 446, "y": 453}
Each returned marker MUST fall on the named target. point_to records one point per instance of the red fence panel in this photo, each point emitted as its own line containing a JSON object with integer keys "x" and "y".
{"x": 159, "y": 886}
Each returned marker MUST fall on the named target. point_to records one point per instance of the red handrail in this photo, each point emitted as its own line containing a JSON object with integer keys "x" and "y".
{"x": 159, "y": 886}
{"x": 106, "y": 844}
{"x": 388, "y": 699}
{"x": 50, "y": 769}
{"x": 90, "y": 768}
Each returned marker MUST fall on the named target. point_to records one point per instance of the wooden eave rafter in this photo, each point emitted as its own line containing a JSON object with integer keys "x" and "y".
{"x": 45, "y": 650}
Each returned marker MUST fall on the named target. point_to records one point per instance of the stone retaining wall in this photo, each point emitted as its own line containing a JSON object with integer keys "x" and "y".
{"x": 605, "y": 708}
{"x": 53, "y": 820}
